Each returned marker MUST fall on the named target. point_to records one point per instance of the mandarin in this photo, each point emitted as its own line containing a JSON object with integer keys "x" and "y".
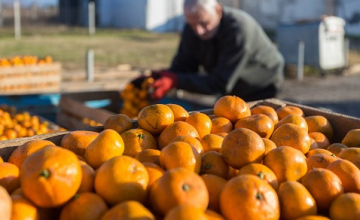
{"x": 324, "y": 186}
{"x": 257, "y": 199}
{"x": 242, "y": 146}
{"x": 232, "y": 108}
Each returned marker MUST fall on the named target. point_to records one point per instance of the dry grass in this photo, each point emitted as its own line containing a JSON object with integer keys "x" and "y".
{"x": 111, "y": 47}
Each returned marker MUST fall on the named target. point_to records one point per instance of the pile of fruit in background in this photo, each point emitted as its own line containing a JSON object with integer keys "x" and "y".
{"x": 15, "y": 124}
{"x": 238, "y": 163}
{"x": 25, "y": 60}
{"x": 22, "y": 74}
{"x": 135, "y": 97}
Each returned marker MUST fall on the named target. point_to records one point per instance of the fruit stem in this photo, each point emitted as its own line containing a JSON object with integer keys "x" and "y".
{"x": 45, "y": 173}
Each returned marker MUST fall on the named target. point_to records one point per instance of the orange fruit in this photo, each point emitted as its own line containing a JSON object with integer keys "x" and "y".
{"x": 241, "y": 147}
{"x": 149, "y": 155}
{"x": 257, "y": 199}
{"x": 319, "y": 161}
{"x": 222, "y": 134}
{"x": 136, "y": 140}
{"x": 214, "y": 185}
{"x": 88, "y": 177}
{"x": 178, "y": 186}
{"x": 313, "y": 217}
{"x": 261, "y": 171}
{"x": 295, "y": 200}
{"x": 232, "y": 108}
{"x": 106, "y": 145}
{"x": 287, "y": 163}
{"x": 154, "y": 171}
{"x": 119, "y": 123}
{"x": 314, "y": 144}
{"x": 128, "y": 210}
{"x": 351, "y": 154}
{"x": 293, "y": 136}
{"x": 201, "y": 122}
{"x": 155, "y": 118}
{"x": 346, "y": 206}
{"x": 259, "y": 123}
{"x": 318, "y": 151}
{"x": 22, "y": 208}
{"x": 293, "y": 119}
{"x": 84, "y": 206}
{"x": 221, "y": 125}
{"x": 9, "y": 176}
{"x": 352, "y": 138}
{"x": 17, "y": 191}
{"x": 318, "y": 123}
{"x": 178, "y": 128}
{"x": 78, "y": 141}
{"x": 5, "y": 204}
{"x": 180, "y": 154}
{"x": 211, "y": 142}
{"x": 122, "y": 178}
{"x": 22, "y": 152}
{"x": 348, "y": 173}
{"x": 185, "y": 212}
{"x": 212, "y": 162}
{"x": 323, "y": 185}
{"x": 1, "y": 160}
{"x": 194, "y": 142}
{"x": 266, "y": 110}
{"x": 180, "y": 114}
{"x": 322, "y": 141}
{"x": 336, "y": 148}
{"x": 212, "y": 215}
{"x": 232, "y": 172}
{"x": 269, "y": 145}
{"x": 284, "y": 111}
{"x": 50, "y": 176}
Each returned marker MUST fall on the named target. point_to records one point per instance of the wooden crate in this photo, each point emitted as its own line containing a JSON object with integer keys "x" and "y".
{"x": 73, "y": 108}
{"x": 30, "y": 79}
{"x": 341, "y": 124}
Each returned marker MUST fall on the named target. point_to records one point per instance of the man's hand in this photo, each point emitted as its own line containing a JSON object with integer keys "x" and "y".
{"x": 164, "y": 82}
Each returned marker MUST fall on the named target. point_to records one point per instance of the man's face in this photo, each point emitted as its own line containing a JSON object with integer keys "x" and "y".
{"x": 203, "y": 23}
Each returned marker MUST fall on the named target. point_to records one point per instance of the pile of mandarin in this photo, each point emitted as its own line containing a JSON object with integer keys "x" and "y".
{"x": 24, "y": 60}
{"x": 135, "y": 97}
{"x": 15, "y": 124}
{"x": 233, "y": 162}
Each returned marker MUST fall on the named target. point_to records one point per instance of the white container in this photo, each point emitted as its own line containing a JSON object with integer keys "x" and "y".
{"x": 323, "y": 40}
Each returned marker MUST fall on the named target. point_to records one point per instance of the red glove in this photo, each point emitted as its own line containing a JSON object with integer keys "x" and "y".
{"x": 164, "y": 82}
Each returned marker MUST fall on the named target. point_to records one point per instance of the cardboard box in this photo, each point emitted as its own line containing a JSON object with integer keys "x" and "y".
{"x": 341, "y": 124}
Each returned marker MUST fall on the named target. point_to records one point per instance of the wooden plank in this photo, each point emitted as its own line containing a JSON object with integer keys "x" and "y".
{"x": 56, "y": 66}
{"x": 68, "y": 122}
{"x": 36, "y": 90}
{"x": 35, "y": 79}
{"x": 83, "y": 86}
{"x": 82, "y": 111}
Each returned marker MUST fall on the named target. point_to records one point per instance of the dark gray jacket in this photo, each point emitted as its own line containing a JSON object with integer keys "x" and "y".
{"x": 239, "y": 60}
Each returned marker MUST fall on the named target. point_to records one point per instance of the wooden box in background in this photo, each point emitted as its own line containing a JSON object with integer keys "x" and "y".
{"x": 30, "y": 79}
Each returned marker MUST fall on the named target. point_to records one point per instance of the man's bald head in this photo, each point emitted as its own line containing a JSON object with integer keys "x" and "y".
{"x": 193, "y": 6}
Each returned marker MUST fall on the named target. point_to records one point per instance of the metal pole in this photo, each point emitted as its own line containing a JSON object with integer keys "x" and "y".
{"x": 90, "y": 65}
{"x": 346, "y": 51}
{"x": 17, "y": 19}
{"x": 1, "y": 14}
{"x": 300, "y": 66}
{"x": 91, "y": 18}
